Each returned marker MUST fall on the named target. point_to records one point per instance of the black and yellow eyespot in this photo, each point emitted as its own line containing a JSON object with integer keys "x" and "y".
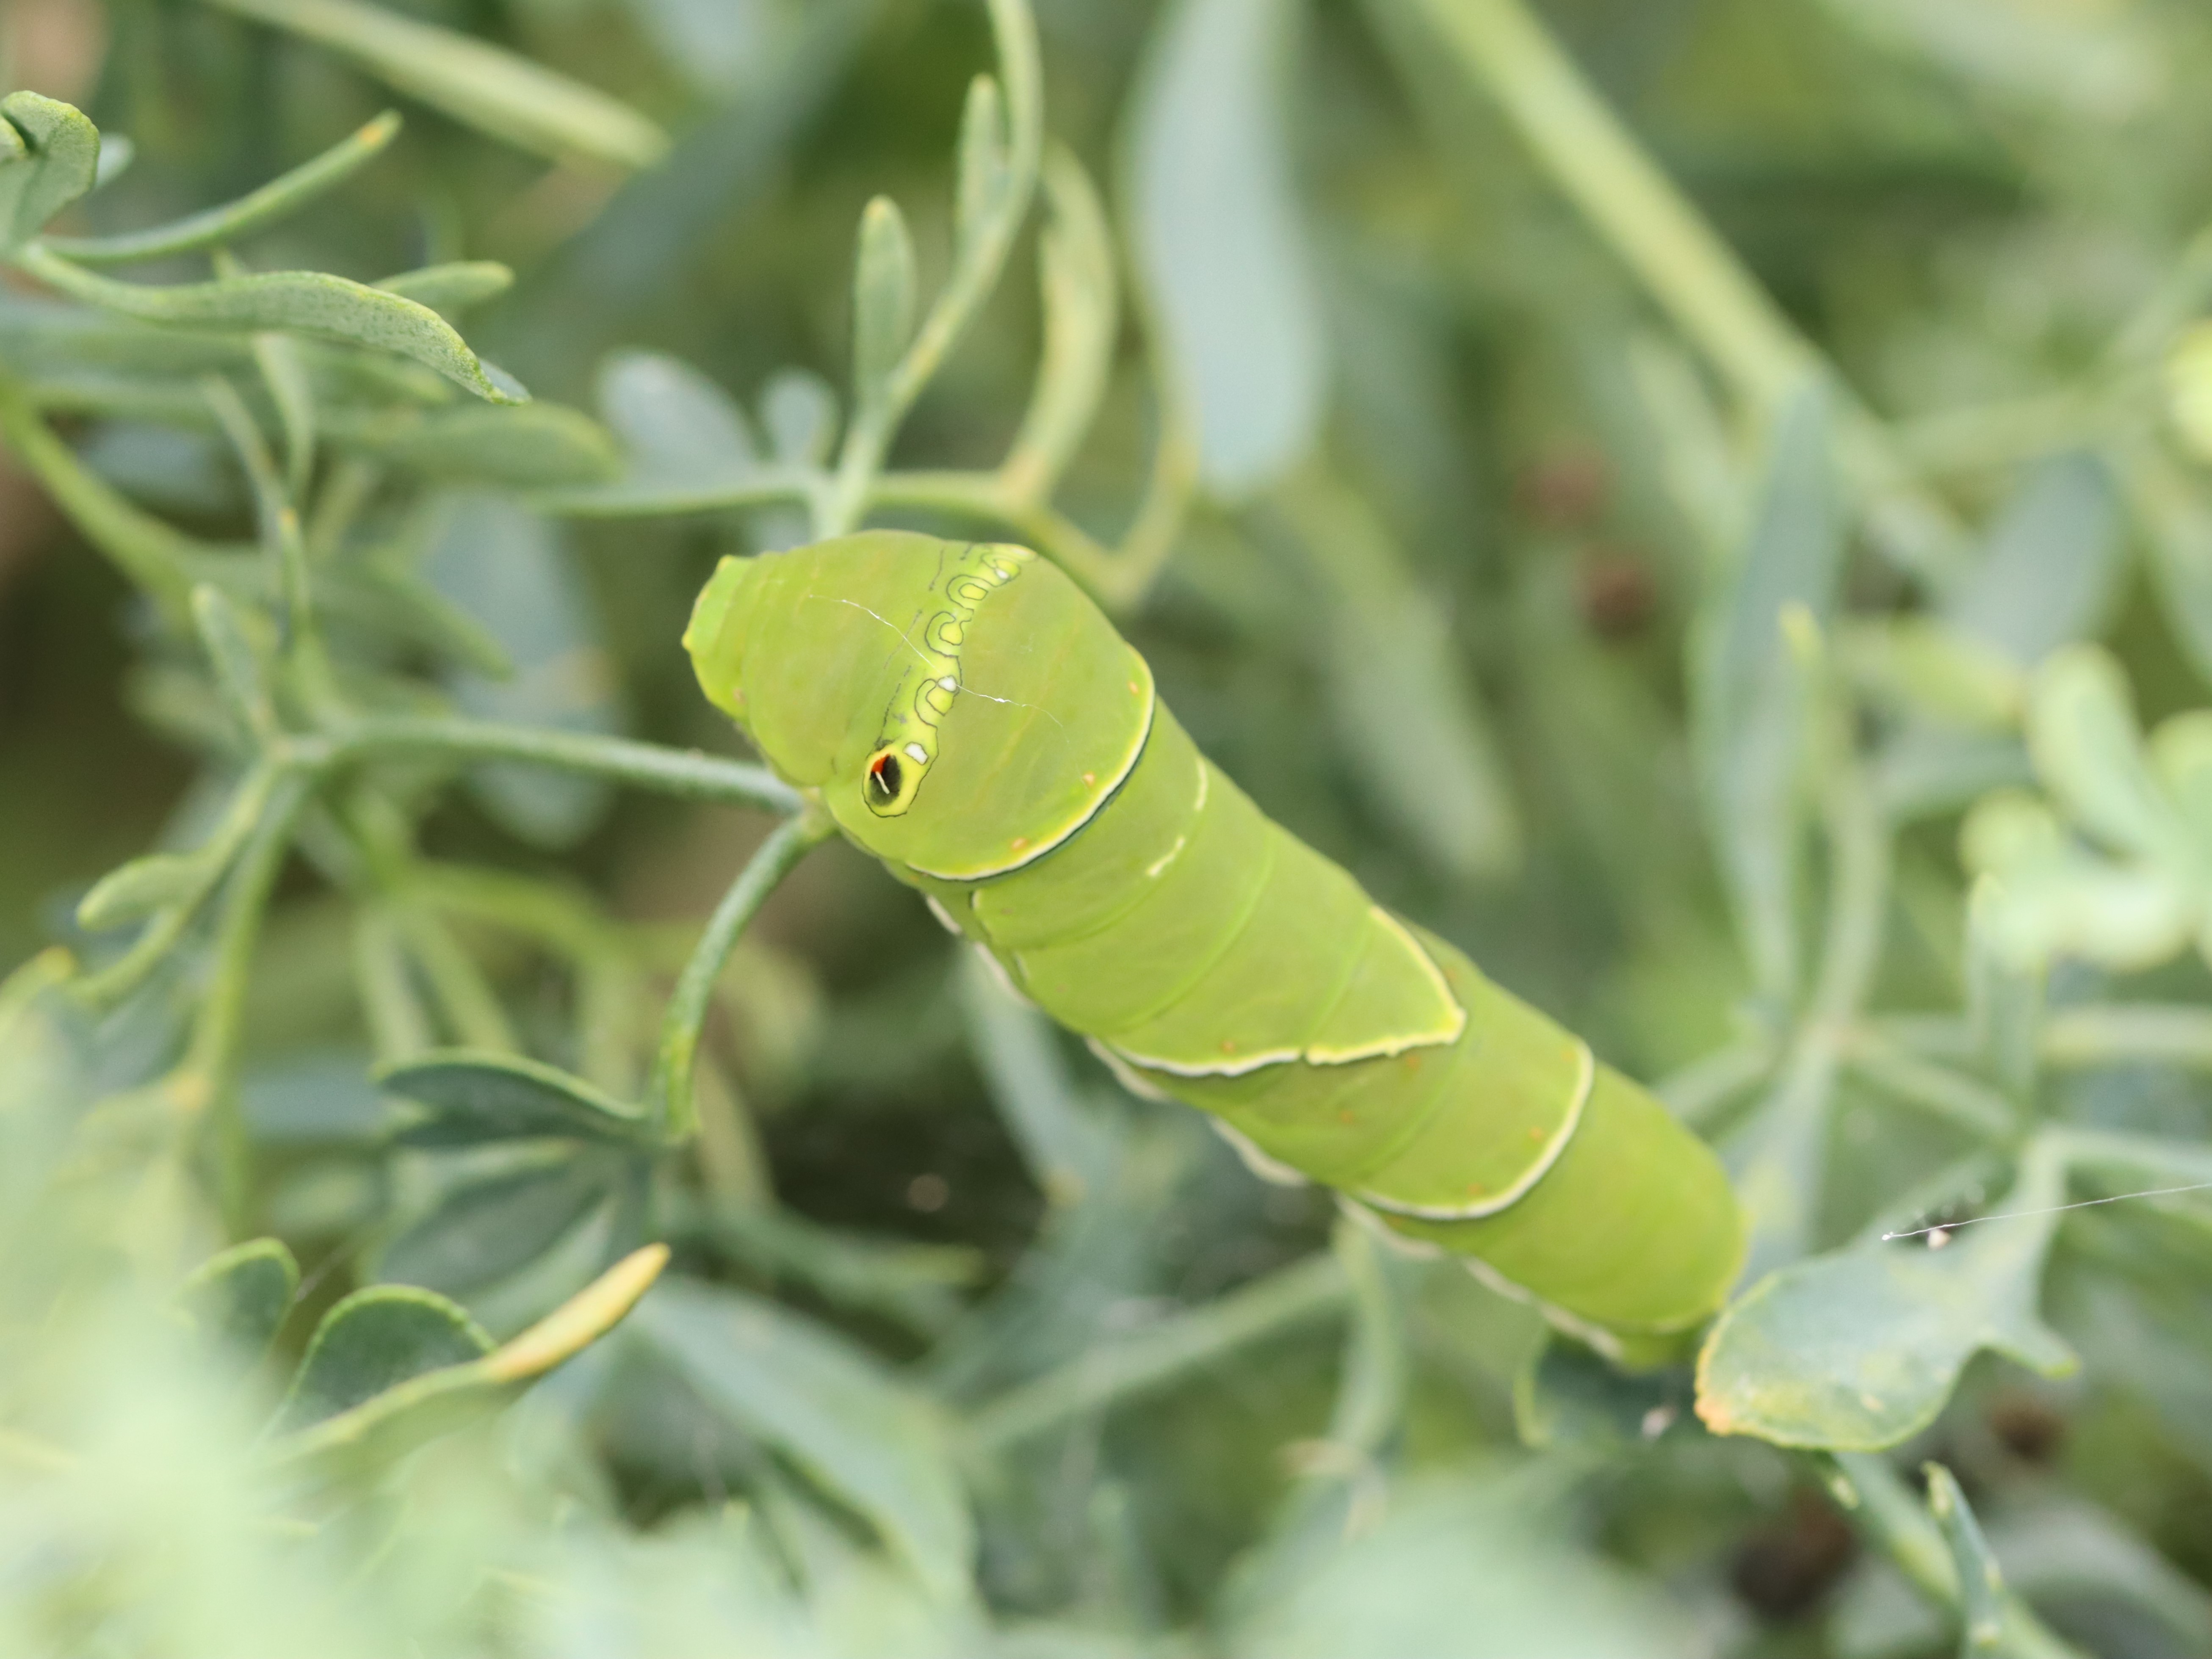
{"x": 894, "y": 773}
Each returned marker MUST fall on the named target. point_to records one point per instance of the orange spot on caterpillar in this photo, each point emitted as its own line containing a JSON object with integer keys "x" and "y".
{"x": 1133, "y": 688}
{"x": 1344, "y": 1117}
{"x": 1228, "y": 1045}
{"x": 1413, "y": 1062}
{"x": 1474, "y": 1189}
{"x": 1535, "y": 1131}
{"x": 1091, "y": 777}
{"x": 1020, "y": 842}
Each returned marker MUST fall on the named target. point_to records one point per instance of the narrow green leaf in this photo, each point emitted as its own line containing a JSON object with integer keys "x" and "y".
{"x": 374, "y": 1340}
{"x": 284, "y": 372}
{"x": 1981, "y": 1584}
{"x": 436, "y": 1402}
{"x": 518, "y": 575}
{"x": 2051, "y": 565}
{"x": 1082, "y": 319}
{"x": 469, "y": 1098}
{"x": 454, "y": 286}
{"x": 679, "y": 427}
{"x": 985, "y": 163}
{"x": 239, "y": 670}
{"x": 1859, "y": 1349}
{"x": 243, "y": 1294}
{"x": 883, "y": 298}
{"x": 59, "y": 161}
{"x": 2174, "y": 510}
{"x": 484, "y": 1229}
{"x": 1406, "y": 716}
{"x": 477, "y": 83}
{"x": 232, "y": 222}
{"x": 1748, "y": 699}
{"x": 874, "y": 1445}
{"x": 1219, "y": 238}
{"x": 531, "y": 446}
{"x": 134, "y": 890}
{"x": 2088, "y": 750}
{"x": 291, "y": 301}
{"x": 1923, "y": 667}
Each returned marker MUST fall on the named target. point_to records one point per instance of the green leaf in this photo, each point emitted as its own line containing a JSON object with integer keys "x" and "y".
{"x": 1458, "y": 1568}
{"x": 877, "y": 1447}
{"x": 916, "y": 1286}
{"x": 678, "y": 426}
{"x": 518, "y": 575}
{"x": 1082, "y": 321}
{"x": 1219, "y": 237}
{"x": 287, "y": 301}
{"x": 57, "y": 161}
{"x": 477, "y": 83}
{"x": 1981, "y": 1583}
{"x": 2048, "y": 896}
{"x": 883, "y": 298}
{"x": 279, "y": 198}
{"x": 1568, "y": 1395}
{"x": 434, "y": 1402}
{"x": 1921, "y": 666}
{"x": 2049, "y": 571}
{"x": 2089, "y": 751}
{"x": 240, "y": 671}
{"x": 374, "y": 1340}
{"x": 134, "y": 890}
{"x": 483, "y": 1230}
{"x": 985, "y": 165}
{"x": 243, "y": 1294}
{"x": 1407, "y": 718}
{"x": 532, "y": 446}
{"x": 454, "y": 286}
{"x": 471, "y": 1098}
{"x": 1748, "y": 699}
{"x": 1859, "y": 1349}
{"x": 800, "y": 411}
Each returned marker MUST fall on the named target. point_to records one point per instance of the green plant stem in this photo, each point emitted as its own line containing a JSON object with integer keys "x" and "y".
{"x": 668, "y": 1096}
{"x": 1112, "y": 1372}
{"x": 1789, "y": 1132}
{"x": 1681, "y": 260}
{"x": 1965, "y": 1102}
{"x": 278, "y": 199}
{"x": 2110, "y": 1034}
{"x": 156, "y": 558}
{"x": 246, "y": 809}
{"x": 205, "y": 1081}
{"x": 1890, "y": 1517}
{"x": 686, "y": 772}
{"x": 868, "y": 439}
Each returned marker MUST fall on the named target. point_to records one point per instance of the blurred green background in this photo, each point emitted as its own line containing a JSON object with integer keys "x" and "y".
{"x": 1487, "y": 461}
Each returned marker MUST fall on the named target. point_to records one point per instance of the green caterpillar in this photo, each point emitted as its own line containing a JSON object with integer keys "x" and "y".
{"x": 967, "y": 716}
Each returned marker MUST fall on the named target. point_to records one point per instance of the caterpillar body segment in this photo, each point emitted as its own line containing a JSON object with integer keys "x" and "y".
{"x": 971, "y": 719}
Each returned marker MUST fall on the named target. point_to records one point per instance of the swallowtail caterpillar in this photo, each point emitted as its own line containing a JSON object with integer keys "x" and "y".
{"x": 971, "y": 718}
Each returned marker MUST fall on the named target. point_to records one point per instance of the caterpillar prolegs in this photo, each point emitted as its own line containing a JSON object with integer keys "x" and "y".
{"x": 967, "y": 716}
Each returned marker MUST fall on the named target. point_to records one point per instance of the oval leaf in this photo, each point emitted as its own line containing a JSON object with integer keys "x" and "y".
{"x": 1219, "y": 239}
{"x": 375, "y": 1340}
{"x": 472, "y": 1098}
{"x": 242, "y": 1295}
{"x": 873, "y": 1445}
